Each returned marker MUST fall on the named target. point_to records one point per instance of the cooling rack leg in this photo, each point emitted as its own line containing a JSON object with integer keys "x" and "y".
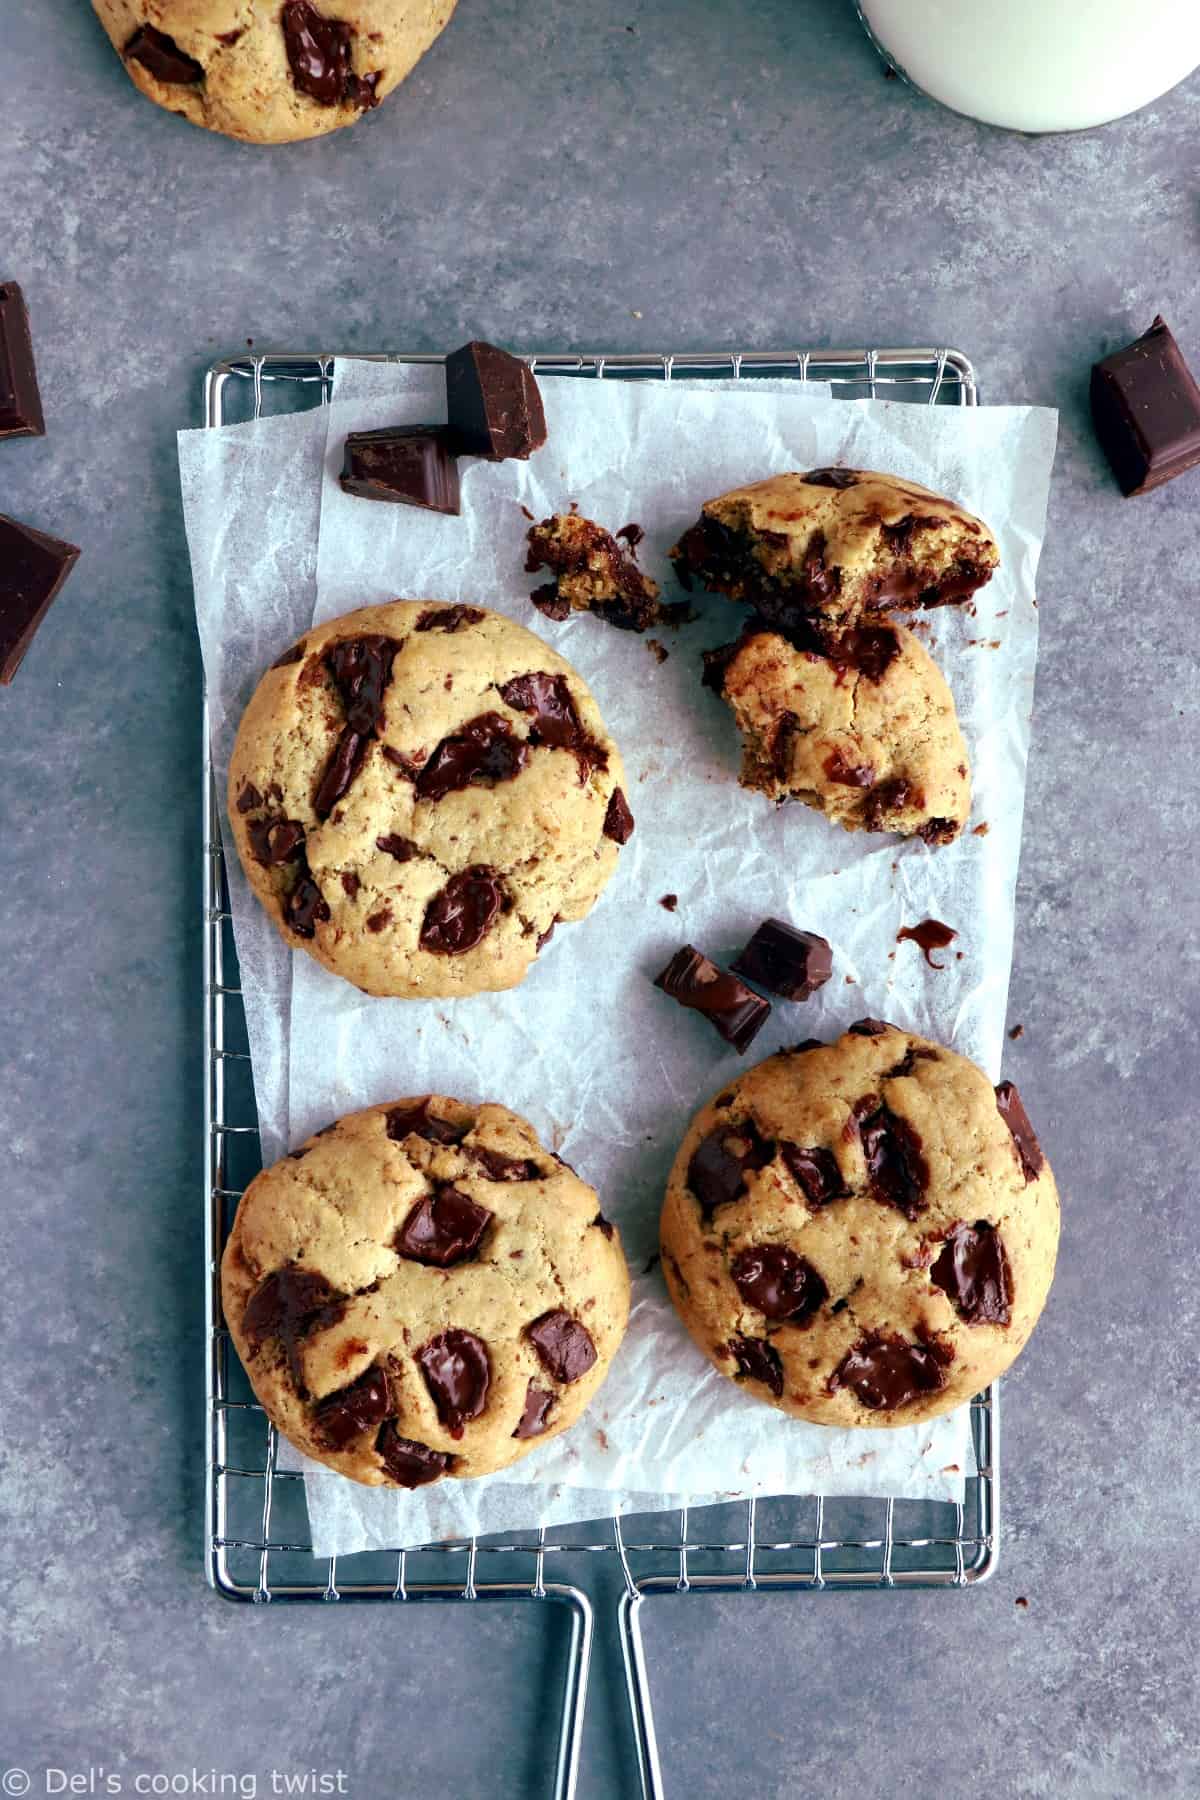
{"x": 637, "y": 1684}
{"x": 579, "y": 1657}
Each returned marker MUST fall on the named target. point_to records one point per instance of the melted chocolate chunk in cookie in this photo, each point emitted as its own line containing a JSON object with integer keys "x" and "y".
{"x": 780, "y": 1284}
{"x": 886, "y": 1372}
{"x": 787, "y": 962}
{"x": 402, "y": 848}
{"x": 360, "y": 669}
{"x": 461, "y": 915}
{"x": 287, "y": 1306}
{"x": 972, "y": 1269}
{"x": 564, "y": 1346}
{"x": 758, "y": 1360}
{"x": 896, "y": 1169}
{"x": 339, "y": 1418}
{"x": 442, "y": 1229}
{"x": 831, "y": 478}
{"x": 450, "y": 618}
{"x": 483, "y": 750}
{"x": 734, "y": 1010}
{"x": 418, "y": 1121}
{"x": 499, "y": 1167}
{"x": 294, "y": 655}
{"x": 274, "y": 839}
{"x": 538, "y": 1401}
{"x": 161, "y": 57}
{"x": 840, "y": 769}
{"x": 719, "y": 1165}
{"x": 408, "y": 1463}
{"x": 1029, "y": 1151}
{"x": 319, "y": 55}
{"x": 306, "y": 905}
{"x": 815, "y": 1172}
{"x": 457, "y": 1373}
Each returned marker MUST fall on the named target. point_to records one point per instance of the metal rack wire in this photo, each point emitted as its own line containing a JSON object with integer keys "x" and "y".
{"x": 257, "y": 1544}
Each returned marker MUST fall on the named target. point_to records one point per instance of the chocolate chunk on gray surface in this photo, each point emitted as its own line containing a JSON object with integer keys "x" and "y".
{"x": 1146, "y": 411}
{"x": 20, "y": 397}
{"x": 33, "y": 568}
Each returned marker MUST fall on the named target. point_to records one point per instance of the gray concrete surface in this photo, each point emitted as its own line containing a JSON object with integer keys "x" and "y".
{"x": 687, "y": 173}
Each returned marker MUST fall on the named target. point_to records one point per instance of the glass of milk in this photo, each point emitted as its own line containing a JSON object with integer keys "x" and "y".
{"x": 1039, "y": 65}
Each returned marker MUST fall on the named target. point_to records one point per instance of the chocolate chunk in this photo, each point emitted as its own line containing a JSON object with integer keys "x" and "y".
{"x": 407, "y": 465}
{"x": 831, "y": 478}
{"x": 564, "y": 1346}
{"x": 815, "y": 1172}
{"x": 548, "y": 698}
{"x": 886, "y": 799}
{"x": 339, "y": 1418}
{"x": 20, "y": 398}
{"x": 618, "y": 820}
{"x": 285, "y": 1304}
{"x": 633, "y": 535}
{"x": 442, "y": 1229}
{"x": 409, "y": 766}
{"x": 1146, "y": 411}
{"x": 538, "y": 1401}
{"x": 670, "y": 903}
{"x": 339, "y": 772}
{"x": 306, "y": 906}
{"x": 779, "y": 1283}
{"x": 320, "y": 57}
{"x": 402, "y": 848}
{"x": 972, "y": 1268}
{"x": 418, "y": 1121}
{"x": 461, "y": 915}
{"x": 350, "y": 884}
{"x": 493, "y": 404}
{"x": 294, "y": 655}
{"x": 161, "y": 57}
{"x": 717, "y": 1171}
{"x": 275, "y": 840}
{"x": 1024, "y": 1137}
{"x": 33, "y": 568}
{"x": 931, "y": 935}
{"x": 846, "y": 773}
{"x": 887, "y": 1372}
{"x": 736, "y": 1012}
{"x": 485, "y": 749}
{"x": 604, "y": 1225}
{"x": 457, "y": 1373}
{"x": 450, "y": 618}
{"x": 758, "y": 1360}
{"x": 249, "y": 798}
{"x": 499, "y": 1167}
{"x": 408, "y": 1463}
{"x": 361, "y": 669}
{"x": 942, "y": 831}
{"x": 787, "y": 962}
{"x": 908, "y": 1062}
{"x": 871, "y": 649}
{"x": 716, "y": 663}
{"x": 896, "y": 1169}
{"x": 549, "y": 601}
{"x": 869, "y": 1028}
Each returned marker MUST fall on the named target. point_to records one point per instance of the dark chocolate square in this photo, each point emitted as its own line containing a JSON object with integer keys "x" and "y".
{"x": 493, "y": 404}
{"x": 32, "y": 569}
{"x": 408, "y": 465}
{"x": 787, "y": 962}
{"x": 20, "y": 401}
{"x": 1146, "y": 410}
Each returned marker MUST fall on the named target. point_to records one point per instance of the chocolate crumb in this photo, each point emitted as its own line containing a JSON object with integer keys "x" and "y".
{"x": 669, "y": 902}
{"x": 1017, "y": 1031}
{"x": 658, "y": 651}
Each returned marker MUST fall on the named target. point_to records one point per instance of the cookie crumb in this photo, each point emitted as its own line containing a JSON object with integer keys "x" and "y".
{"x": 658, "y": 651}
{"x": 981, "y": 830}
{"x": 1023, "y": 1603}
{"x": 1018, "y": 1031}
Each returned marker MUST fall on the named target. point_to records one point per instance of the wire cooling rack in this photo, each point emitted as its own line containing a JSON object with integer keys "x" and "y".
{"x": 257, "y": 1544}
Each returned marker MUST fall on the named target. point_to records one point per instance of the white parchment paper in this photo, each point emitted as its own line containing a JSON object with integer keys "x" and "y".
{"x": 609, "y": 1071}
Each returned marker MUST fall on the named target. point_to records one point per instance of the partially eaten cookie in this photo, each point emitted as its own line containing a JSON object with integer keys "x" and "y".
{"x": 593, "y": 572}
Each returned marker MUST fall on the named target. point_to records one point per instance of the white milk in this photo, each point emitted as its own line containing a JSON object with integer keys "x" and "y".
{"x": 1040, "y": 65}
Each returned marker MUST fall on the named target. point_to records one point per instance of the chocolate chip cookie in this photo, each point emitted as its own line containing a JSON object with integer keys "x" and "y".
{"x": 592, "y": 573}
{"x": 271, "y": 71}
{"x": 833, "y": 544}
{"x": 861, "y": 1233}
{"x": 419, "y": 793}
{"x": 862, "y": 727}
{"x": 423, "y": 1290}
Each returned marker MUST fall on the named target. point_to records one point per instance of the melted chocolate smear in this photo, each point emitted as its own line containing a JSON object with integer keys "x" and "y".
{"x": 931, "y": 935}
{"x": 845, "y": 773}
{"x": 887, "y": 1372}
{"x": 972, "y": 1269}
{"x": 564, "y": 1346}
{"x": 735, "y": 1011}
{"x": 499, "y": 1167}
{"x": 896, "y": 1169}
{"x": 548, "y": 698}
{"x": 538, "y": 1401}
{"x": 249, "y": 798}
{"x": 457, "y": 1373}
{"x": 402, "y": 848}
{"x": 293, "y": 655}
{"x": 815, "y": 1172}
{"x": 780, "y": 1284}
{"x": 604, "y": 1225}
{"x": 1029, "y": 1151}
{"x": 442, "y": 1229}
{"x": 161, "y": 57}
{"x": 871, "y": 649}
{"x": 484, "y": 750}
{"x": 410, "y": 1464}
{"x": 275, "y": 840}
{"x": 450, "y": 618}
{"x": 339, "y": 1418}
{"x": 720, "y": 1163}
{"x": 831, "y": 478}
{"x": 418, "y": 1121}
{"x": 618, "y": 820}
{"x": 758, "y": 1360}
{"x": 887, "y": 798}
{"x": 319, "y": 55}
{"x": 787, "y": 962}
{"x": 360, "y": 669}
{"x": 461, "y": 915}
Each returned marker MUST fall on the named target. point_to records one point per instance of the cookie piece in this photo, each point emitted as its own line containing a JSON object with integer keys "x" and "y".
{"x": 836, "y": 543}
{"x": 592, "y": 573}
{"x": 420, "y": 792}
{"x": 271, "y": 71}
{"x": 423, "y": 1290}
{"x": 856, "y": 1233}
{"x": 863, "y": 730}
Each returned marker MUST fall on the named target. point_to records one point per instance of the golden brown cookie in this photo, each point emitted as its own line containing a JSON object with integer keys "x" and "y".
{"x": 833, "y": 544}
{"x": 592, "y": 573}
{"x": 423, "y": 1290}
{"x": 271, "y": 71}
{"x": 419, "y": 793}
{"x": 862, "y": 1233}
{"x": 861, "y": 727}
